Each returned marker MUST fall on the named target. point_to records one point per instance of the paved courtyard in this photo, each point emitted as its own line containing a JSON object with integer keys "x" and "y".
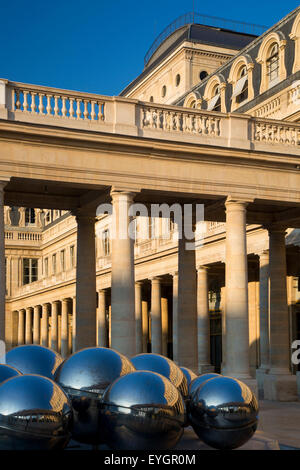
{"x": 279, "y": 428}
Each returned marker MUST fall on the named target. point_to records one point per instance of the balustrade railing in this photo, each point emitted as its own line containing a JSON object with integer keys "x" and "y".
{"x": 57, "y": 103}
{"x": 119, "y": 115}
{"x": 277, "y": 133}
{"x": 183, "y": 120}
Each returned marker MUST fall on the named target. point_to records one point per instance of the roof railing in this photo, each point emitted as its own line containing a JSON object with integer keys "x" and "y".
{"x": 198, "y": 18}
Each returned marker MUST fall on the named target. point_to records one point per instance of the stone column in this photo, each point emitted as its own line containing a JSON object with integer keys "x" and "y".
{"x": 123, "y": 337}
{"x": 85, "y": 321}
{"x": 138, "y": 317}
{"x": 101, "y": 321}
{"x": 264, "y": 310}
{"x": 36, "y": 325}
{"x": 236, "y": 279}
{"x": 45, "y": 325}
{"x": 187, "y": 306}
{"x": 264, "y": 331}
{"x": 156, "y": 326}
{"x": 28, "y": 326}
{"x": 54, "y": 325}
{"x": 2, "y": 264}
{"x": 145, "y": 324}
{"x": 64, "y": 328}
{"x": 164, "y": 325}
{"x": 279, "y": 384}
{"x": 21, "y": 327}
{"x": 204, "y": 364}
{"x": 175, "y": 317}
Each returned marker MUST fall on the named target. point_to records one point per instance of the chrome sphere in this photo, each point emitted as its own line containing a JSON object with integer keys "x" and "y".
{"x": 85, "y": 376}
{"x": 7, "y": 372}
{"x": 34, "y": 414}
{"x": 34, "y": 359}
{"x": 223, "y": 412}
{"x": 142, "y": 411}
{"x": 189, "y": 374}
{"x": 195, "y": 383}
{"x": 164, "y": 366}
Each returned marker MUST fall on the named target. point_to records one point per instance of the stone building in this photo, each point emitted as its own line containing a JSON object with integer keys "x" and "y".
{"x": 213, "y": 119}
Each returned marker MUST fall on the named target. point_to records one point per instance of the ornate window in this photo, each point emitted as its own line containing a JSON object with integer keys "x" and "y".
{"x": 295, "y": 36}
{"x": 273, "y": 64}
{"x": 214, "y": 104}
{"x": 240, "y": 77}
{"x": 192, "y": 101}
{"x": 215, "y": 94}
{"x": 271, "y": 56}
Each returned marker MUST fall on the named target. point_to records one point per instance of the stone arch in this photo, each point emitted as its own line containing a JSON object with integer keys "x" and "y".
{"x": 295, "y": 36}
{"x": 271, "y": 39}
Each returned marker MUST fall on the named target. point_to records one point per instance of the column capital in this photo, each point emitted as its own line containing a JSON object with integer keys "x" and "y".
{"x": 117, "y": 194}
{"x": 138, "y": 283}
{"x": 83, "y": 214}
{"x": 155, "y": 279}
{"x": 263, "y": 254}
{"x": 202, "y": 268}
{"x": 237, "y": 202}
{"x": 275, "y": 228}
{"x": 173, "y": 273}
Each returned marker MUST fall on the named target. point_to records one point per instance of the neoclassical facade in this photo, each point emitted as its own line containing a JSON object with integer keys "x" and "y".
{"x": 213, "y": 120}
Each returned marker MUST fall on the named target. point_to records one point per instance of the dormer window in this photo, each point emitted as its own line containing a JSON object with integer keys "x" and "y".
{"x": 240, "y": 90}
{"x": 273, "y": 64}
{"x": 214, "y": 104}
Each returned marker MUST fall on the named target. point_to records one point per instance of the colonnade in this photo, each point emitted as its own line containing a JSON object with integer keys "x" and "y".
{"x": 49, "y": 324}
{"x": 190, "y": 307}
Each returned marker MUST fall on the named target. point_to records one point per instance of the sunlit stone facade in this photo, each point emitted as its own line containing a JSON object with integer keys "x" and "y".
{"x": 231, "y": 306}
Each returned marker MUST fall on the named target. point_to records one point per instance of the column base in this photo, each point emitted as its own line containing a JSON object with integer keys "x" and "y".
{"x": 279, "y": 387}
{"x": 205, "y": 369}
{"x": 260, "y": 376}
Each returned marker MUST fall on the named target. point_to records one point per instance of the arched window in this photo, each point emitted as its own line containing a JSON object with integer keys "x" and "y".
{"x": 240, "y": 90}
{"x": 214, "y": 93}
{"x": 271, "y": 56}
{"x": 29, "y": 216}
{"x": 214, "y": 104}
{"x": 273, "y": 64}
{"x": 192, "y": 101}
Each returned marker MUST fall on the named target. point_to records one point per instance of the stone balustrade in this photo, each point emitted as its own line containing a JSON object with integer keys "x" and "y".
{"x": 32, "y": 238}
{"x": 124, "y": 116}
{"x": 277, "y": 132}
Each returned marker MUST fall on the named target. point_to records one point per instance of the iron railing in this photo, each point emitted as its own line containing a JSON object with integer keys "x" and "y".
{"x": 198, "y": 18}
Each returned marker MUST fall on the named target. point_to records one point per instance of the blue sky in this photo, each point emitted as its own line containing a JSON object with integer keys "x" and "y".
{"x": 97, "y": 45}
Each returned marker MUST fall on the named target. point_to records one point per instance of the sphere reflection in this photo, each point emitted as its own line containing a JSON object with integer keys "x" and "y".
{"x": 85, "y": 376}
{"x": 34, "y": 414}
{"x": 7, "y": 372}
{"x": 34, "y": 359}
{"x": 195, "y": 383}
{"x": 164, "y": 366}
{"x": 142, "y": 410}
{"x": 223, "y": 412}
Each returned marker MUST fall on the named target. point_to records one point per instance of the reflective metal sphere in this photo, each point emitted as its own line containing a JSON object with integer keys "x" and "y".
{"x": 223, "y": 412}
{"x": 164, "y": 366}
{"x": 195, "y": 383}
{"x": 142, "y": 411}
{"x": 7, "y": 372}
{"x": 189, "y": 374}
{"x": 34, "y": 414}
{"x": 34, "y": 359}
{"x": 85, "y": 376}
